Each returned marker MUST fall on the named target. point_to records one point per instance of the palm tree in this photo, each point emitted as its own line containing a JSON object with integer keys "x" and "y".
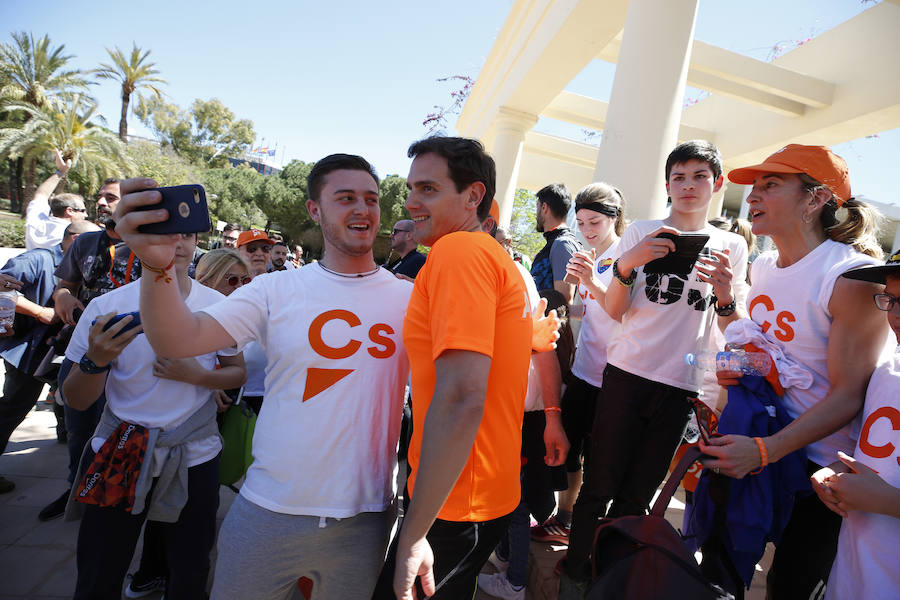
{"x": 134, "y": 73}
{"x": 33, "y": 72}
{"x": 69, "y": 125}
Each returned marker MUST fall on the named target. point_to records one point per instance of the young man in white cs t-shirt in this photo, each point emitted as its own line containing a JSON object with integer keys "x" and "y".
{"x": 643, "y": 404}
{"x": 865, "y": 489}
{"x": 317, "y": 497}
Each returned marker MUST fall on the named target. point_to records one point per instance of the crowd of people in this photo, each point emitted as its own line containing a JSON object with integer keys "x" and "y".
{"x": 510, "y": 427}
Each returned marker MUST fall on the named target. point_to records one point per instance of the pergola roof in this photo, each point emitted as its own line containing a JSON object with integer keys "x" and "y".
{"x": 842, "y": 85}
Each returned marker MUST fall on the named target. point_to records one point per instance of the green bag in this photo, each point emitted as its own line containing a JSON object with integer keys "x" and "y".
{"x": 237, "y": 427}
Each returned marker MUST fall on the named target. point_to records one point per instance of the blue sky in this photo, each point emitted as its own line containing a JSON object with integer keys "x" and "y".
{"x": 360, "y": 77}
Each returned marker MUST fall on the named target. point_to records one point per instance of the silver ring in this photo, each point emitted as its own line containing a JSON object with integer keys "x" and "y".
{"x": 716, "y": 470}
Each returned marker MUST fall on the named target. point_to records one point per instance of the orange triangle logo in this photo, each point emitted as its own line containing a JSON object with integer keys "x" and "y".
{"x": 319, "y": 380}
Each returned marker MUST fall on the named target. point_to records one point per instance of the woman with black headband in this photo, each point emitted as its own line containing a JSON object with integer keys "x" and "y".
{"x": 600, "y": 213}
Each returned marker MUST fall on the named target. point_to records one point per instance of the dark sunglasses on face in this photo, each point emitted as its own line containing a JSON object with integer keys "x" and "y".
{"x": 396, "y": 231}
{"x": 233, "y": 280}
{"x": 252, "y": 249}
{"x": 78, "y": 209}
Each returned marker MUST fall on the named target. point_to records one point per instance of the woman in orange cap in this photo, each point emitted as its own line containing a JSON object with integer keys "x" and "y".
{"x": 823, "y": 322}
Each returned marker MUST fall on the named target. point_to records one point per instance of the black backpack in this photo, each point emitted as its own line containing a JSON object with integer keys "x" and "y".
{"x": 643, "y": 557}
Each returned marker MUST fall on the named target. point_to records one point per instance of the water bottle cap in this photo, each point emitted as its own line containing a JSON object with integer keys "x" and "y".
{"x": 690, "y": 359}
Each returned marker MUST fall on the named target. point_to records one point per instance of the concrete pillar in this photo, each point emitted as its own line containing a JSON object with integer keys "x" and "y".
{"x": 745, "y": 207}
{"x": 511, "y": 127}
{"x": 896, "y": 245}
{"x": 646, "y": 102}
{"x": 716, "y": 203}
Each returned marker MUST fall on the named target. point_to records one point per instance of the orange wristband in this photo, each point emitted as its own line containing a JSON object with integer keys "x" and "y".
{"x": 161, "y": 273}
{"x": 763, "y": 455}
{"x": 553, "y": 409}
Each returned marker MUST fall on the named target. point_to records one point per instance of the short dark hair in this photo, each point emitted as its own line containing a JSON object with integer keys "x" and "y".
{"x": 280, "y": 243}
{"x": 110, "y": 180}
{"x": 698, "y": 150}
{"x": 231, "y": 227}
{"x": 557, "y": 197}
{"x": 315, "y": 181}
{"x": 467, "y": 163}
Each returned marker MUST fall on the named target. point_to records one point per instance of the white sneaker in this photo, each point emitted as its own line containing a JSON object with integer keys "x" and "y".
{"x": 500, "y": 564}
{"x": 498, "y": 585}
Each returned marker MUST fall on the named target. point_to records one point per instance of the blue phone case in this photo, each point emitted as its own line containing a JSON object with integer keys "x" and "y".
{"x": 188, "y": 212}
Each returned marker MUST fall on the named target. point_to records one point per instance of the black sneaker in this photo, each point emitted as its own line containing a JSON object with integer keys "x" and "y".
{"x": 6, "y": 486}
{"x": 55, "y": 509}
{"x": 140, "y": 586}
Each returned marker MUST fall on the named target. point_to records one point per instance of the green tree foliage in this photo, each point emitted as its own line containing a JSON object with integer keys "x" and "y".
{"x": 522, "y": 226}
{"x": 232, "y": 193}
{"x": 207, "y": 134}
{"x": 71, "y": 126}
{"x": 393, "y": 199}
{"x": 135, "y": 73}
{"x": 163, "y": 165}
{"x": 34, "y": 73}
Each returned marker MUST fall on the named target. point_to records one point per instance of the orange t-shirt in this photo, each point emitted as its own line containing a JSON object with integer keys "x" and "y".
{"x": 469, "y": 296}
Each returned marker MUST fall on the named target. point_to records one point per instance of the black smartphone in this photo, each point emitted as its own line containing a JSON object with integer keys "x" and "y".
{"x": 135, "y": 321}
{"x": 681, "y": 262}
{"x": 188, "y": 212}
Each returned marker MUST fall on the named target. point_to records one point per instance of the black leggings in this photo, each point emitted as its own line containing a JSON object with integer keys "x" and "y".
{"x": 638, "y": 426}
{"x": 108, "y": 536}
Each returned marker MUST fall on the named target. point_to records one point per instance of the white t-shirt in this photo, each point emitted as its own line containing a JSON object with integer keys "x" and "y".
{"x": 326, "y": 438}
{"x": 790, "y": 304}
{"x": 255, "y": 361}
{"x": 597, "y": 327}
{"x": 42, "y": 230}
{"x": 533, "y": 396}
{"x": 867, "y": 565}
{"x": 670, "y": 316}
{"x": 133, "y": 392}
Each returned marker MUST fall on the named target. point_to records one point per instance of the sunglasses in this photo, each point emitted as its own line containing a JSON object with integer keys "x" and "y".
{"x": 252, "y": 249}
{"x": 233, "y": 280}
{"x": 706, "y": 419}
{"x": 396, "y": 231}
{"x": 84, "y": 210}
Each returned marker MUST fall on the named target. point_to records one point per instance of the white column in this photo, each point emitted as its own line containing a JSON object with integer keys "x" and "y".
{"x": 745, "y": 206}
{"x": 646, "y": 102}
{"x": 511, "y": 127}
{"x": 896, "y": 245}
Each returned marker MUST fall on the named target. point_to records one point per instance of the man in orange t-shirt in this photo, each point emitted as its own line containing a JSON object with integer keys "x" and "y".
{"x": 468, "y": 334}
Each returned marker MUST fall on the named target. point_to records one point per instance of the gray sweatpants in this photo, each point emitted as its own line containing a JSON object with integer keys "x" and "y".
{"x": 262, "y": 554}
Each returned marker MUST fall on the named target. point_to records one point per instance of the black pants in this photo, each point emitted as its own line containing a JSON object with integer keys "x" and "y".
{"x": 803, "y": 558}
{"x": 460, "y": 551}
{"x": 80, "y": 424}
{"x": 638, "y": 426}
{"x": 20, "y": 392}
{"x": 107, "y": 538}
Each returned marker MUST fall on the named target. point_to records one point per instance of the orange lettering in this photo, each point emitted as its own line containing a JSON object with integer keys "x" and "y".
{"x": 319, "y": 345}
{"x": 786, "y": 333}
{"x": 891, "y": 414}
{"x": 375, "y": 335}
{"x": 767, "y": 303}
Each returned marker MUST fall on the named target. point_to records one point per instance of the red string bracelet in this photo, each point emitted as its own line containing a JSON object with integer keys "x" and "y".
{"x": 162, "y": 273}
{"x": 763, "y": 455}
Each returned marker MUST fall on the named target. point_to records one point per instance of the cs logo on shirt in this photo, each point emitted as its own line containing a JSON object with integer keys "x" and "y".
{"x": 380, "y": 346}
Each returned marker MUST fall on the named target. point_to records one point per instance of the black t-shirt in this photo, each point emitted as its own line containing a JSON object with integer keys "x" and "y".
{"x": 99, "y": 263}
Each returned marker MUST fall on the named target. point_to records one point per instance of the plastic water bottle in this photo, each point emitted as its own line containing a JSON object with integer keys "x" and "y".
{"x": 748, "y": 363}
{"x": 7, "y": 309}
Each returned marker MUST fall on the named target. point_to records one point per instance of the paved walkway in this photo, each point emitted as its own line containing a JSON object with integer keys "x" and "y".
{"x": 37, "y": 560}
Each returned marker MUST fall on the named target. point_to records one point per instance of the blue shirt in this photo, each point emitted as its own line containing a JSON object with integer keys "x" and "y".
{"x": 34, "y": 268}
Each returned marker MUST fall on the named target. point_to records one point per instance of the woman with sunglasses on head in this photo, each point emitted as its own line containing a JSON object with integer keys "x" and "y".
{"x": 821, "y": 321}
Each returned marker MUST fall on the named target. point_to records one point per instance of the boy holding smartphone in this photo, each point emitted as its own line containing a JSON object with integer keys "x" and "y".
{"x": 643, "y": 405}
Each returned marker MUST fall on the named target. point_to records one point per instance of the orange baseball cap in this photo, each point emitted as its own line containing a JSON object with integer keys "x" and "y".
{"x": 253, "y": 235}
{"x": 495, "y": 211}
{"x": 818, "y": 162}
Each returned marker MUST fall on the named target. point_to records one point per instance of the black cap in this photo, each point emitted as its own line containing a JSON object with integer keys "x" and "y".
{"x": 878, "y": 273}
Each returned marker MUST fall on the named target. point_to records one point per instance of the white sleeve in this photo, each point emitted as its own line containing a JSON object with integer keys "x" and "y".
{"x": 243, "y": 314}
{"x": 738, "y": 259}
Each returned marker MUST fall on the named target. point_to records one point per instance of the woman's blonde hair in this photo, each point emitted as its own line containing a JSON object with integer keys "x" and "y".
{"x": 606, "y": 194}
{"x": 213, "y": 265}
{"x": 858, "y": 227}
